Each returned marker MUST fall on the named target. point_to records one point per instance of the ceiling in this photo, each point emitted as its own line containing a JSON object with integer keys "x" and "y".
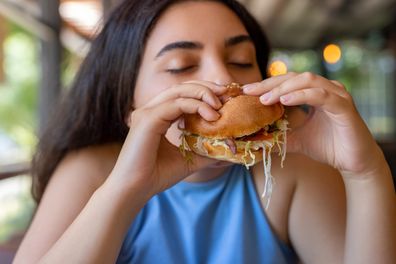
{"x": 292, "y": 24}
{"x": 307, "y": 23}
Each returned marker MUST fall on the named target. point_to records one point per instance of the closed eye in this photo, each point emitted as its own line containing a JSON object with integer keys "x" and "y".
{"x": 242, "y": 65}
{"x": 180, "y": 70}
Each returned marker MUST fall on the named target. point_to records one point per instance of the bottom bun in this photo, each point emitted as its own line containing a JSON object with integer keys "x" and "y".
{"x": 207, "y": 148}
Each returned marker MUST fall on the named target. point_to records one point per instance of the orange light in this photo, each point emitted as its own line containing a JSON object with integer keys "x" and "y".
{"x": 277, "y": 67}
{"x": 332, "y": 53}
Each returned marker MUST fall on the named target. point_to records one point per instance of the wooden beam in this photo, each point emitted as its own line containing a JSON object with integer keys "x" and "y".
{"x": 266, "y": 11}
{"x": 392, "y": 47}
{"x": 3, "y": 33}
{"x": 12, "y": 170}
{"x": 74, "y": 42}
{"x": 50, "y": 58}
{"x": 106, "y": 6}
{"x": 21, "y": 12}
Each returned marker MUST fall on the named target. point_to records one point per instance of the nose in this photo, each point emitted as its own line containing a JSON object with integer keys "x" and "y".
{"x": 218, "y": 73}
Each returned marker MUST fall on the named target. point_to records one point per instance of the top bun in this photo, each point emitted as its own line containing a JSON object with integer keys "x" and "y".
{"x": 240, "y": 116}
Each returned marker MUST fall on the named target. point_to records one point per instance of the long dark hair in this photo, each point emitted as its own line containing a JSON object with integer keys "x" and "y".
{"x": 94, "y": 110}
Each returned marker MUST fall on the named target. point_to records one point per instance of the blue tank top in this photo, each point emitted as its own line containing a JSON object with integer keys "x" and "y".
{"x": 219, "y": 221}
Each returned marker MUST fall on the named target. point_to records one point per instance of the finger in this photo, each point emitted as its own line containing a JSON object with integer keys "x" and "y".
{"x": 317, "y": 97}
{"x": 267, "y": 85}
{"x": 168, "y": 112}
{"x": 337, "y": 83}
{"x": 187, "y": 90}
{"x": 342, "y": 91}
{"x": 216, "y": 88}
{"x": 300, "y": 81}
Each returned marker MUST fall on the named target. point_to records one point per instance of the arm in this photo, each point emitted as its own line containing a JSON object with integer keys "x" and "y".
{"x": 92, "y": 215}
{"x": 317, "y": 216}
{"x": 74, "y": 187}
{"x": 323, "y": 230}
{"x": 335, "y": 134}
{"x": 96, "y": 235}
{"x": 371, "y": 218}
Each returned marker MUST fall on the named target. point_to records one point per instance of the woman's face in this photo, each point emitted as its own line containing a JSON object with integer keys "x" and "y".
{"x": 195, "y": 41}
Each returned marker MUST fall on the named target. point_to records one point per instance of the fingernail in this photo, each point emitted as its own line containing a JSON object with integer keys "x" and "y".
{"x": 217, "y": 104}
{"x": 285, "y": 98}
{"x": 215, "y": 116}
{"x": 265, "y": 97}
{"x": 249, "y": 87}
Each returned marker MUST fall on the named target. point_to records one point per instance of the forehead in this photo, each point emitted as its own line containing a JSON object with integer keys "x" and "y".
{"x": 201, "y": 21}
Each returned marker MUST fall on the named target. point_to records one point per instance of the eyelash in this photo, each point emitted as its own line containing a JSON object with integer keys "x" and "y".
{"x": 242, "y": 65}
{"x": 182, "y": 70}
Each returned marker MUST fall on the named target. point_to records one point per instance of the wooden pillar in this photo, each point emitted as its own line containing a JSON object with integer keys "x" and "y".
{"x": 50, "y": 57}
{"x": 106, "y": 5}
{"x": 3, "y": 33}
{"x": 392, "y": 45}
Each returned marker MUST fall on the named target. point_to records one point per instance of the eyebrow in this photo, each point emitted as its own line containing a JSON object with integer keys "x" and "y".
{"x": 237, "y": 40}
{"x": 187, "y": 45}
{"x": 190, "y": 45}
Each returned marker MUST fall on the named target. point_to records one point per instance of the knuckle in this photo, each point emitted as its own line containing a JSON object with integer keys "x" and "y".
{"x": 180, "y": 101}
{"x": 302, "y": 93}
{"x": 348, "y": 96}
{"x": 201, "y": 104}
{"x": 339, "y": 84}
{"x": 279, "y": 89}
{"x": 308, "y": 76}
{"x": 323, "y": 92}
{"x": 203, "y": 90}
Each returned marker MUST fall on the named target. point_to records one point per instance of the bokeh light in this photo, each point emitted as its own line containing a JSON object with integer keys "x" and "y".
{"x": 332, "y": 53}
{"x": 277, "y": 67}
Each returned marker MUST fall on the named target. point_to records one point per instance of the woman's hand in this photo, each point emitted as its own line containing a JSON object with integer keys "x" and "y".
{"x": 333, "y": 131}
{"x": 147, "y": 159}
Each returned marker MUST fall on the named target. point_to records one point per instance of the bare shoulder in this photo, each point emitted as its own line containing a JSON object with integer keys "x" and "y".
{"x": 282, "y": 196}
{"x": 317, "y": 218}
{"x": 307, "y": 205}
{"x": 96, "y": 162}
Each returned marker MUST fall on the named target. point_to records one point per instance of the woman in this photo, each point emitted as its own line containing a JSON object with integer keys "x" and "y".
{"x": 114, "y": 193}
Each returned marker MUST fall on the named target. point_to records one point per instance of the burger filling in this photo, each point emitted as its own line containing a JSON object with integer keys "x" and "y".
{"x": 265, "y": 139}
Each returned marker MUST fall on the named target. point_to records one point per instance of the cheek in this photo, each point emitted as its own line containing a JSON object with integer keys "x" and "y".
{"x": 254, "y": 76}
{"x": 148, "y": 85}
{"x": 144, "y": 93}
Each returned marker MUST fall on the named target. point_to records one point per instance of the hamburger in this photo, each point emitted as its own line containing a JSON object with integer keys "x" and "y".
{"x": 245, "y": 133}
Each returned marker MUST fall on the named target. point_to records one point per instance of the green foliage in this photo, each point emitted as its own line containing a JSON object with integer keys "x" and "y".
{"x": 18, "y": 94}
{"x": 18, "y": 120}
{"x": 19, "y": 211}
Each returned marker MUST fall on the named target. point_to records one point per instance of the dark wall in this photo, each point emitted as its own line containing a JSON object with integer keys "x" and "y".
{"x": 390, "y": 155}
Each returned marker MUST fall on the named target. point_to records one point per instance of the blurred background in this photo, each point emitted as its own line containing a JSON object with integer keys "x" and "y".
{"x": 42, "y": 43}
